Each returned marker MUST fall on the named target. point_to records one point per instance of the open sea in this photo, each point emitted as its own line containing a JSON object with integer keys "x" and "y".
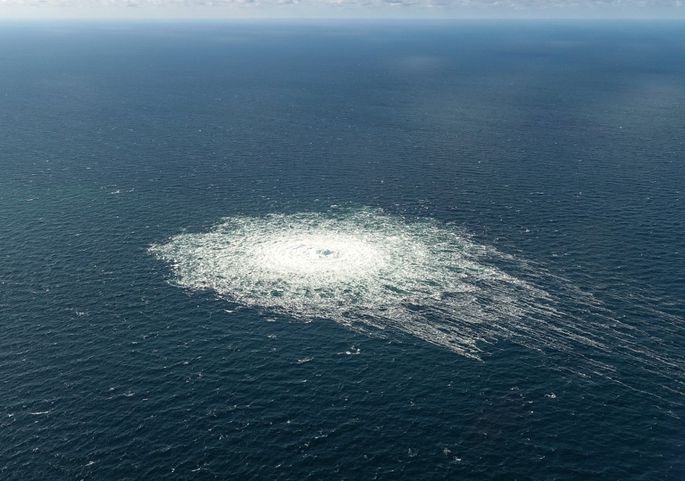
{"x": 342, "y": 251}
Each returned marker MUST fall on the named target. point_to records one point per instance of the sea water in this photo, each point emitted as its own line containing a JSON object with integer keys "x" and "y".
{"x": 342, "y": 251}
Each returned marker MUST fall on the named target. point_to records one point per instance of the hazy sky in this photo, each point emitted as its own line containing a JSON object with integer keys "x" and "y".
{"x": 342, "y": 8}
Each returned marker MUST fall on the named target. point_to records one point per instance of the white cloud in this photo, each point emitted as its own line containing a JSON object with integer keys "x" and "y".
{"x": 342, "y": 8}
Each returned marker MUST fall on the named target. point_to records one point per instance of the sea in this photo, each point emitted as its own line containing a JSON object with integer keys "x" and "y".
{"x": 342, "y": 250}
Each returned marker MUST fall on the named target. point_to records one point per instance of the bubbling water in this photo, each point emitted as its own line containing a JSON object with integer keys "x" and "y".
{"x": 333, "y": 256}
{"x": 384, "y": 275}
{"x": 361, "y": 268}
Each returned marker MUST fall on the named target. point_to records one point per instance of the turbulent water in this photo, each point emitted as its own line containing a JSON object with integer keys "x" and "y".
{"x": 379, "y": 274}
{"x": 363, "y": 269}
{"x": 404, "y": 251}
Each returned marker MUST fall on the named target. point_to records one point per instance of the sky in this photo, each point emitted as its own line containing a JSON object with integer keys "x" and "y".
{"x": 113, "y": 9}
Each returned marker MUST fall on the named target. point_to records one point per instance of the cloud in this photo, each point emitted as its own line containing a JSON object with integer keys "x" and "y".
{"x": 335, "y": 8}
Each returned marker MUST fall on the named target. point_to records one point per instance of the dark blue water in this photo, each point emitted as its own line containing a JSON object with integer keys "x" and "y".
{"x": 560, "y": 144}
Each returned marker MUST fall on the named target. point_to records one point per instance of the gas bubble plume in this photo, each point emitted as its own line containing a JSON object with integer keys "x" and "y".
{"x": 385, "y": 275}
{"x": 364, "y": 269}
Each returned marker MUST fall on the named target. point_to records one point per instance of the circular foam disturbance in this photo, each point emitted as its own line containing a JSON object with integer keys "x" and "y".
{"x": 361, "y": 268}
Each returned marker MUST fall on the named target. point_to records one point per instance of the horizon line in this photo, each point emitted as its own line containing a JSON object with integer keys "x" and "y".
{"x": 179, "y": 18}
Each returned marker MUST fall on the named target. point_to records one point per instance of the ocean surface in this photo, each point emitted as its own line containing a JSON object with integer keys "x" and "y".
{"x": 394, "y": 251}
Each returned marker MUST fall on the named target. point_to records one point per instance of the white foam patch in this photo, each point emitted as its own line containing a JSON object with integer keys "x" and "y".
{"x": 383, "y": 275}
{"x": 363, "y": 269}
